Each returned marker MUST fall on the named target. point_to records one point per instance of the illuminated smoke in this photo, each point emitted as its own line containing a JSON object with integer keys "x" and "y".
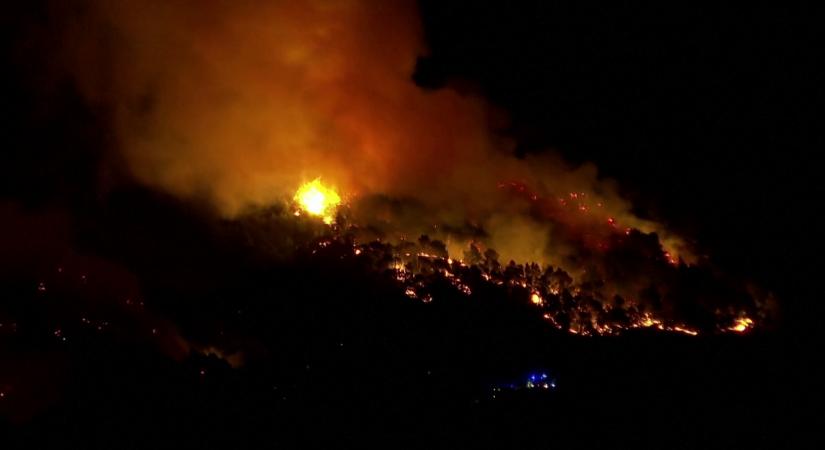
{"x": 241, "y": 103}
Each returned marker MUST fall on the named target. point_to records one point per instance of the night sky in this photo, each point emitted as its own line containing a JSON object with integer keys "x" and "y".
{"x": 161, "y": 287}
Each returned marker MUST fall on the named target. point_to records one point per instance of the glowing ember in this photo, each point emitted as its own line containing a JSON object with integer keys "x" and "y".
{"x": 685, "y": 331}
{"x": 318, "y": 200}
{"x": 536, "y": 299}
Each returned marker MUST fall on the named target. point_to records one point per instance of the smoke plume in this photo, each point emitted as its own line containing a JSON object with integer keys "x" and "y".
{"x": 241, "y": 102}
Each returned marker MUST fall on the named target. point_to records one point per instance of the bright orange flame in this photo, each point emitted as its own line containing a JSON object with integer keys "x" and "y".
{"x": 648, "y": 321}
{"x": 318, "y": 200}
{"x": 536, "y": 299}
{"x": 741, "y": 324}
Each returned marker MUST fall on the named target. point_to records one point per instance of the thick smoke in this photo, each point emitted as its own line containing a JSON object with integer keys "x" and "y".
{"x": 240, "y": 102}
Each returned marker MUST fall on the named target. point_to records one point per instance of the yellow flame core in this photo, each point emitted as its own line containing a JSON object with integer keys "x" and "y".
{"x": 741, "y": 325}
{"x": 318, "y": 200}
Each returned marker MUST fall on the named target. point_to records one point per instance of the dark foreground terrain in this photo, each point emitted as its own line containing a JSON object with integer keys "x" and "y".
{"x": 330, "y": 354}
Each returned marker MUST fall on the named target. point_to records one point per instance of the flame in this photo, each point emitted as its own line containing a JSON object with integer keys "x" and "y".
{"x": 318, "y": 200}
{"x": 741, "y": 325}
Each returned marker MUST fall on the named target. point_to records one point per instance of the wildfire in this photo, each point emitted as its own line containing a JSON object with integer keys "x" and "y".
{"x": 318, "y": 200}
{"x": 558, "y": 299}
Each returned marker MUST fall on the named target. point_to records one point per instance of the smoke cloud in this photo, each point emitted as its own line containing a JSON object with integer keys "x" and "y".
{"x": 241, "y": 102}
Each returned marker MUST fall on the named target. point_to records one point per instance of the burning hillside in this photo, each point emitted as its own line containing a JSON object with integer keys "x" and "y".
{"x": 588, "y": 297}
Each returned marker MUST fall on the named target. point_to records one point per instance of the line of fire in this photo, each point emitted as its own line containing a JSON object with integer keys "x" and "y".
{"x": 579, "y": 306}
